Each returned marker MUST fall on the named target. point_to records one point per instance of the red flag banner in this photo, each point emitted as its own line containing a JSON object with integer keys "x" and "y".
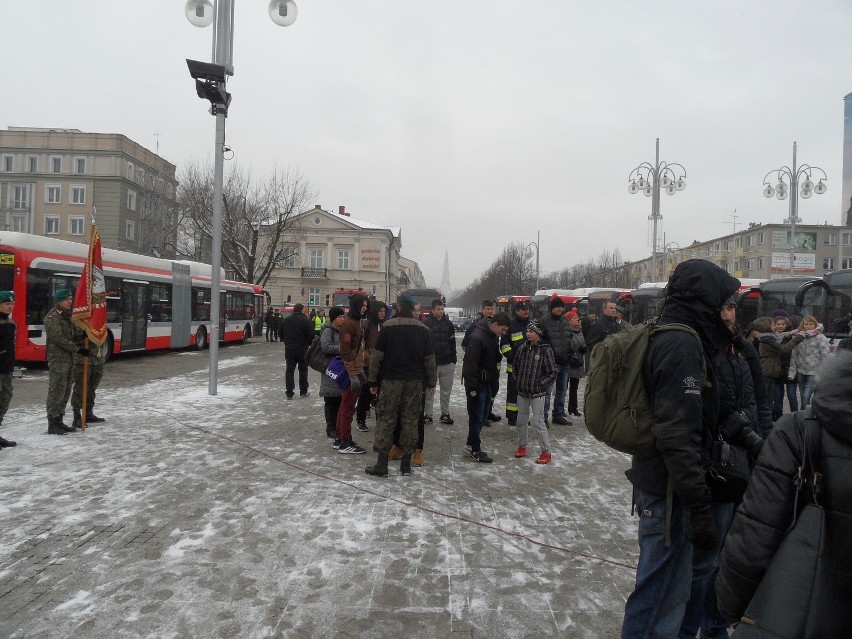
{"x": 90, "y": 311}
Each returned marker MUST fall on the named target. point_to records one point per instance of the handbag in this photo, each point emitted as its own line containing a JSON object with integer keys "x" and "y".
{"x": 729, "y": 471}
{"x": 336, "y": 371}
{"x": 315, "y": 357}
{"x": 576, "y": 360}
{"x": 786, "y": 604}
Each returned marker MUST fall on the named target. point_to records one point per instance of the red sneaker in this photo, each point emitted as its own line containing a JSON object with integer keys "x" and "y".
{"x": 522, "y": 451}
{"x": 544, "y": 458}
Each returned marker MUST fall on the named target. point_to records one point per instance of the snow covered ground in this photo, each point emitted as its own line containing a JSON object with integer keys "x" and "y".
{"x": 186, "y": 515}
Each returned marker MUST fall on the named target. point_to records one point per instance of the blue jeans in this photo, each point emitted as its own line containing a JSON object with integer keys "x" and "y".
{"x": 701, "y": 611}
{"x": 778, "y": 404}
{"x": 477, "y": 413}
{"x": 561, "y": 388}
{"x": 806, "y": 388}
{"x": 655, "y": 608}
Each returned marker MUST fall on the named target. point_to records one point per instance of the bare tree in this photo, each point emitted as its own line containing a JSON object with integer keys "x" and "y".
{"x": 259, "y": 219}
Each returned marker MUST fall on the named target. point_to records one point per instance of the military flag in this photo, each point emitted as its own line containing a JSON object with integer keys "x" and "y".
{"x": 89, "y": 311}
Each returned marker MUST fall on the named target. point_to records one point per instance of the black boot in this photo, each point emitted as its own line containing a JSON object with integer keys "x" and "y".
{"x": 381, "y": 467}
{"x": 7, "y": 443}
{"x": 78, "y": 418}
{"x": 405, "y": 465}
{"x": 91, "y": 418}
{"x": 61, "y": 422}
{"x": 53, "y": 426}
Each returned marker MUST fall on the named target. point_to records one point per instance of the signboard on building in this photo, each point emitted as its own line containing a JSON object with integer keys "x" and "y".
{"x": 804, "y": 262}
{"x": 371, "y": 256}
{"x": 804, "y": 240}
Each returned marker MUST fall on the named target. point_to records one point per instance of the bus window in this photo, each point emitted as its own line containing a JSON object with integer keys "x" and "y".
{"x": 39, "y": 301}
{"x": 113, "y": 299}
{"x": 160, "y": 306}
{"x": 200, "y": 304}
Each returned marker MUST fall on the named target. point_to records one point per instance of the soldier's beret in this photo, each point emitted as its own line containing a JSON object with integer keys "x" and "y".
{"x": 7, "y": 296}
{"x": 62, "y": 294}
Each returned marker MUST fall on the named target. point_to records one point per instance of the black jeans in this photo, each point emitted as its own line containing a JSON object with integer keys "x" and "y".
{"x": 363, "y": 404}
{"x": 573, "y": 385}
{"x": 293, "y": 360}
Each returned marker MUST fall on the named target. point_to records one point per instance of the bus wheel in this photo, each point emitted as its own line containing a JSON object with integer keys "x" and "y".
{"x": 200, "y": 338}
{"x": 247, "y": 333}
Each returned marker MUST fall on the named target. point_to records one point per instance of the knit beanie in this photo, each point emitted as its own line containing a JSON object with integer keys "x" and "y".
{"x": 572, "y": 313}
{"x": 334, "y": 313}
{"x": 556, "y": 302}
{"x": 780, "y": 312}
{"x": 535, "y": 328}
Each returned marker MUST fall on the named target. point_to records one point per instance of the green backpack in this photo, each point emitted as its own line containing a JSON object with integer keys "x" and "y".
{"x": 617, "y": 409}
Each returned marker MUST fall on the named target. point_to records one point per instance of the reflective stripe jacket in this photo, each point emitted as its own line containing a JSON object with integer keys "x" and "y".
{"x": 512, "y": 341}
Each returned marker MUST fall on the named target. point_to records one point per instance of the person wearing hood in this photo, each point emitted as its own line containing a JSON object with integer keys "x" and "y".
{"x": 329, "y": 390}
{"x": 352, "y": 354}
{"x": 671, "y": 493}
{"x": 763, "y": 519}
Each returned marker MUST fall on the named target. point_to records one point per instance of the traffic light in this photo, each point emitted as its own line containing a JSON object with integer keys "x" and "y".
{"x": 326, "y": 299}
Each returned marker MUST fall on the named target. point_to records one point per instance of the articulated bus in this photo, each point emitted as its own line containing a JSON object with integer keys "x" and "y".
{"x": 506, "y": 303}
{"x": 573, "y": 299}
{"x": 770, "y": 295}
{"x": 152, "y": 303}
{"x": 830, "y": 300}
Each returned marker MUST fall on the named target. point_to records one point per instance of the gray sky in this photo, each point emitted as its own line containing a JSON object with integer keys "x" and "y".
{"x": 469, "y": 123}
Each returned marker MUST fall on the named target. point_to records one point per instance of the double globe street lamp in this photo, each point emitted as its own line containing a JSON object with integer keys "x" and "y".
{"x": 650, "y": 179}
{"x": 210, "y": 84}
{"x": 794, "y": 182}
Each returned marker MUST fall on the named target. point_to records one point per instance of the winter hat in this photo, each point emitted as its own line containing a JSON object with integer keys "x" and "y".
{"x": 780, "y": 312}
{"x": 334, "y": 313}
{"x": 62, "y": 293}
{"x": 572, "y": 313}
{"x": 535, "y": 328}
{"x": 556, "y": 302}
{"x": 407, "y": 299}
{"x": 7, "y": 296}
{"x": 523, "y": 305}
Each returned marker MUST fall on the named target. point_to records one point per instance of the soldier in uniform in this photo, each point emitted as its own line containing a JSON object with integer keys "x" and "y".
{"x": 61, "y": 346}
{"x": 96, "y": 373}
{"x": 7, "y": 356}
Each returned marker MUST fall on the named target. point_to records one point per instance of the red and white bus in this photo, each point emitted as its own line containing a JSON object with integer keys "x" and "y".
{"x": 152, "y": 303}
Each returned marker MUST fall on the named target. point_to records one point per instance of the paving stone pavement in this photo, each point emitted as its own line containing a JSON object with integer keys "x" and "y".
{"x": 186, "y": 515}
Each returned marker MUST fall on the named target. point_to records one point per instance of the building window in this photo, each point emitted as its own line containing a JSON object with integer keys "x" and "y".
{"x": 289, "y": 260}
{"x": 160, "y": 185}
{"x": 131, "y": 171}
{"x": 141, "y": 176}
{"x": 56, "y": 164}
{"x": 80, "y": 166}
{"x": 131, "y": 200}
{"x": 760, "y": 238}
{"x": 751, "y": 240}
{"x": 51, "y": 225}
{"x": 316, "y": 258}
{"x": 32, "y": 163}
{"x": 738, "y": 242}
{"x": 828, "y": 263}
{"x": 750, "y": 265}
{"x": 759, "y": 263}
{"x": 847, "y": 239}
{"x": 20, "y": 197}
{"x": 76, "y": 225}
{"x": 846, "y": 262}
{"x": 20, "y": 224}
{"x": 8, "y": 163}
{"x": 343, "y": 259}
{"x": 314, "y": 297}
{"x": 78, "y": 195}
{"x": 129, "y": 230}
{"x": 53, "y": 194}
{"x": 830, "y": 239}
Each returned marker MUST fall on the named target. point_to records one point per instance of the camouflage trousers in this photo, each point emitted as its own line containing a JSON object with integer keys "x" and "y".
{"x": 60, "y": 380}
{"x": 5, "y": 393}
{"x": 96, "y": 374}
{"x": 399, "y": 401}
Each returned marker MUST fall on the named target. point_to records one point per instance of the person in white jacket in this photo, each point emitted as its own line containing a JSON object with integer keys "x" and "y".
{"x": 808, "y": 356}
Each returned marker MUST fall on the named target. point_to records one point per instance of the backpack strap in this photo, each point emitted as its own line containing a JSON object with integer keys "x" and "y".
{"x": 809, "y": 475}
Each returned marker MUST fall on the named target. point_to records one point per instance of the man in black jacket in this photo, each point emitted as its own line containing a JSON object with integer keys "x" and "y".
{"x": 297, "y": 332}
{"x": 510, "y": 344}
{"x": 671, "y": 492}
{"x": 444, "y": 342}
{"x": 479, "y": 373}
{"x": 7, "y": 356}
{"x": 557, "y": 333}
{"x": 606, "y": 324}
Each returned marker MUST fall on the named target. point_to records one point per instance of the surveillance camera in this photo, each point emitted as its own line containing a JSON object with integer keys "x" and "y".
{"x": 206, "y": 71}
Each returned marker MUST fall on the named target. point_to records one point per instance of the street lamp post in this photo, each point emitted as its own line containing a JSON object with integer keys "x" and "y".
{"x": 650, "y": 179}
{"x": 210, "y": 84}
{"x": 795, "y": 175}
{"x": 536, "y": 245}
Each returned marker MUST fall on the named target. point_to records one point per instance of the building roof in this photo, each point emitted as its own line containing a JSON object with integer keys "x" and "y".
{"x": 361, "y": 224}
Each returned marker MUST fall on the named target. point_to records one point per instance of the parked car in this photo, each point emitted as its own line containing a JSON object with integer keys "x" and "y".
{"x": 462, "y": 323}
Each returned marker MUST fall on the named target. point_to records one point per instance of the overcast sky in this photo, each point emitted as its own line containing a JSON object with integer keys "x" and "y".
{"x": 469, "y": 123}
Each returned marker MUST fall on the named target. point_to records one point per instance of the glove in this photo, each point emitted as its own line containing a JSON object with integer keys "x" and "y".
{"x": 798, "y": 339}
{"x": 85, "y": 352}
{"x": 355, "y": 383}
{"x": 703, "y": 533}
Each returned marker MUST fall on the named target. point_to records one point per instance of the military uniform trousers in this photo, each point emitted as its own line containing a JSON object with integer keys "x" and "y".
{"x": 60, "y": 381}
{"x": 5, "y": 393}
{"x": 399, "y": 401}
{"x": 96, "y": 374}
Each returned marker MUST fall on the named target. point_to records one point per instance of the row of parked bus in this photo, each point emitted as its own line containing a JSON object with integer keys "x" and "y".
{"x": 827, "y": 298}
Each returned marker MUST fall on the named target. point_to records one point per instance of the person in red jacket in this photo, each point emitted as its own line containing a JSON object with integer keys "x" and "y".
{"x": 352, "y": 354}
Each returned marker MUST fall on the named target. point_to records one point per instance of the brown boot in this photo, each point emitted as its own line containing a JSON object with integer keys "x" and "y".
{"x": 395, "y": 452}
{"x": 418, "y": 457}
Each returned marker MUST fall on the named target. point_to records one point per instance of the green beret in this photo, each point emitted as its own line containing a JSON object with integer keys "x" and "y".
{"x": 62, "y": 294}
{"x": 7, "y": 296}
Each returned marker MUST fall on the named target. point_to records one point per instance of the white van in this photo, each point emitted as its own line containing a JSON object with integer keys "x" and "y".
{"x": 453, "y": 312}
